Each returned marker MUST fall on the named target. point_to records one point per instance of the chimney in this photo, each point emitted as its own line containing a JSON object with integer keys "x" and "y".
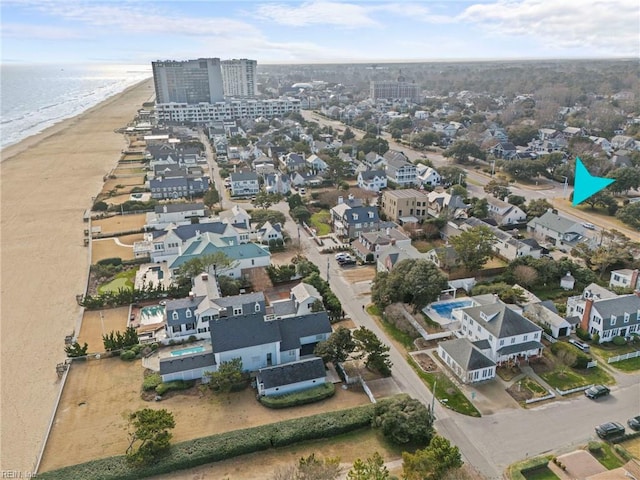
{"x": 205, "y": 277}
{"x": 496, "y": 298}
{"x": 192, "y": 295}
{"x": 584, "y": 323}
{"x": 340, "y": 200}
{"x": 165, "y": 209}
{"x": 388, "y": 231}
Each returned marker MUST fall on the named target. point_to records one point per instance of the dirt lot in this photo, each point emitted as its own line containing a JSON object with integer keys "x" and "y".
{"x": 111, "y": 183}
{"x": 426, "y": 362}
{"x": 90, "y": 419}
{"x": 120, "y": 223}
{"x": 98, "y": 322}
{"x": 108, "y": 248}
{"x": 283, "y": 258}
{"x": 359, "y": 274}
{"x": 633, "y": 446}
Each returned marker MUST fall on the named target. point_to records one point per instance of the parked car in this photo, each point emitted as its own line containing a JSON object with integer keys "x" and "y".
{"x": 634, "y": 423}
{"x": 582, "y": 346}
{"x": 348, "y": 261}
{"x": 609, "y": 430}
{"x": 342, "y": 255}
{"x": 589, "y": 226}
{"x": 597, "y": 391}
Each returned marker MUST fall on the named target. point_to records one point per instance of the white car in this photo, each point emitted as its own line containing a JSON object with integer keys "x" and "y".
{"x": 342, "y": 255}
{"x": 589, "y": 226}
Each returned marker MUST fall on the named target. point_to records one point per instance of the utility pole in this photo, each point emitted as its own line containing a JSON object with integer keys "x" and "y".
{"x": 433, "y": 400}
{"x": 327, "y": 269}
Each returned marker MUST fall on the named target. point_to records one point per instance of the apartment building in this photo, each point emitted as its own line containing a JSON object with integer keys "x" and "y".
{"x": 188, "y": 82}
{"x": 239, "y": 78}
{"x": 405, "y": 205}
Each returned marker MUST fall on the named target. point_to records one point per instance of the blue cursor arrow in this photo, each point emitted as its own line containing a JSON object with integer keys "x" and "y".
{"x": 586, "y": 184}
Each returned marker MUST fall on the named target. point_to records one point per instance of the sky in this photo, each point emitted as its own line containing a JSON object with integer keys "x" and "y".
{"x": 138, "y": 32}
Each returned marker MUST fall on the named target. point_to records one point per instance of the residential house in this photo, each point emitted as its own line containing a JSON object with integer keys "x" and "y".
{"x": 291, "y": 377}
{"x": 263, "y": 165}
{"x": 510, "y": 336}
{"x": 372, "y": 180}
{"x": 167, "y": 244}
{"x": 444, "y": 257}
{"x": 369, "y": 246}
{"x": 605, "y": 315}
{"x": 467, "y": 360}
{"x": 622, "y": 142}
{"x": 504, "y": 213}
{"x": 277, "y": 183}
{"x": 173, "y": 213}
{"x": 240, "y": 328}
{"x": 392, "y": 255}
{"x": 546, "y": 314}
{"x": 405, "y": 206}
{"x": 187, "y": 186}
{"x": 305, "y": 179}
{"x": 244, "y": 184}
{"x": 316, "y": 164}
{"x": 269, "y": 232}
{"x": 571, "y": 132}
{"x": 293, "y": 162}
{"x": 625, "y": 278}
{"x": 602, "y": 143}
{"x": 301, "y": 301}
{"x": 442, "y": 203}
{"x": 504, "y": 150}
{"x": 350, "y": 218}
{"x": 242, "y": 256}
{"x": 556, "y": 229}
{"x": 238, "y": 218}
{"x": 374, "y": 161}
{"x": 427, "y": 175}
{"x": 399, "y": 170}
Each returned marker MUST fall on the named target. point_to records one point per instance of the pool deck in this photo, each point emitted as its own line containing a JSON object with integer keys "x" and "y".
{"x": 444, "y": 322}
{"x": 166, "y": 352}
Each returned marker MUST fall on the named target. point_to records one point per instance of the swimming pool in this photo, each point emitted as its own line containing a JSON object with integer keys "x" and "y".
{"x": 444, "y": 308}
{"x": 187, "y": 351}
{"x": 150, "y": 315}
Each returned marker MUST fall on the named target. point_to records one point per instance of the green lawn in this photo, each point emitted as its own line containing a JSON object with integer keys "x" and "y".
{"x": 534, "y": 387}
{"x": 423, "y": 246}
{"x": 611, "y": 350}
{"x": 394, "y": 332}
{"x": 321, "y": 222}
{"x": 606, "y": 456}
{"x": 540, "y": 473}
{"x": 567, "y": 378}
{"x": 446, "y": 391}
{"x": 122, "y": 280}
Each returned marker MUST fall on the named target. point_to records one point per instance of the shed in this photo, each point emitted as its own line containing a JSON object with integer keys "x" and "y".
{"x": 567, "y": 282}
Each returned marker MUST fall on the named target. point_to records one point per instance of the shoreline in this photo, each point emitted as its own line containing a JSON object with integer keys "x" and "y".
{"x": 10, "y": 151}
{"x": 47, "y": 180}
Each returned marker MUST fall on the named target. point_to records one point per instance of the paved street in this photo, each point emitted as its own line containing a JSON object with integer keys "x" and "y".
{"x": 495, "y": 440}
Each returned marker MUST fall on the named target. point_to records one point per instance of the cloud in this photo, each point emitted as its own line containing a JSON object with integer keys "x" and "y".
{"x": 340, "y": 14}
{"x": 414, "y": 11}
{"x": 141, "y": 19}
{"x": 608, "y": 27}
{"x": 25, "y": 30}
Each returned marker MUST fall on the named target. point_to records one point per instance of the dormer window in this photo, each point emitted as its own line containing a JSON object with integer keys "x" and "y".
{"x": 355, "y": 216}
{"x": 237, "y": 311}
{"x": 613, "y": 320}
{"x": 626, "y": 317}
{"x": 188, "y": 313}
{"x": 370, "y": 214}
{"x": 175, "y": 315}
{"x": 257, "y": 307}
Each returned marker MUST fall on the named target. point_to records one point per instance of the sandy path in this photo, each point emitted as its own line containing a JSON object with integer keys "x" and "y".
{"x": 47, "y": 181}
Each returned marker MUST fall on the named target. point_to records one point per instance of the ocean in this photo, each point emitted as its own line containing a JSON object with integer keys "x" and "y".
{"x": 36, "y": 97}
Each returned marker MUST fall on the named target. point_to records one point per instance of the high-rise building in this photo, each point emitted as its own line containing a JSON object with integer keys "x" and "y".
{"x": 190, "y": 81}
{"x": 239, "y": 78}
{"x": 394, "y": 90}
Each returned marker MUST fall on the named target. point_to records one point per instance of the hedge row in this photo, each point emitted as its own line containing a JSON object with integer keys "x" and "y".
{"x": 311, "y": 395}
{"x": 581, "y": 359}
{"x": 175, "y": 385}
{"x": 223, "y": 446}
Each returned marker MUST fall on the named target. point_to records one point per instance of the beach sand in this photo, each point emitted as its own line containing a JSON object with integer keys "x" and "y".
{"x": 46, "y": 183}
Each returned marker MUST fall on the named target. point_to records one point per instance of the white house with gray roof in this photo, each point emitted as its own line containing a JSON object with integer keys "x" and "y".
{"x": 173, "y": 213}
{"x": 467, "y": 360}
{"x": 291, "y": 377}
{"x": 399, "y": 170}
{"x": 606, "y": 314}
{"x": 510, "y": 336}
{"x": 504, "y": 213}
{"x": 372, "y": 180}
{"x": 244, "y": 184}
{"x": 556, "y": 229}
